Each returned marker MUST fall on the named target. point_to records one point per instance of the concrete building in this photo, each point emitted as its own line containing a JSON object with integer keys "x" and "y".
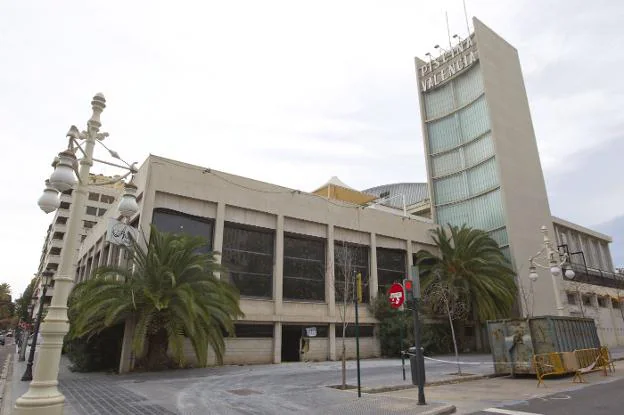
{"x": 100, "y": 199}
{"x": 284, "y": 249}
{"x": 484, "y": 170}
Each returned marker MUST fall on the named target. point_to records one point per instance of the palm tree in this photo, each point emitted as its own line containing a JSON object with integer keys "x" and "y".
{"x": 170, "y": 291}
{"x": 473, "y": 268}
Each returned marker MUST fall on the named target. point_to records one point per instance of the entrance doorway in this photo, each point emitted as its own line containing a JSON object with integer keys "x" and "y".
{"x": 291, "y": 335}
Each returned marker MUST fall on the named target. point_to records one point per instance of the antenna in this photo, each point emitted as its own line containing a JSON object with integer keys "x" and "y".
{"x": 466, "y": 17}
{"x": 448, "y": 30}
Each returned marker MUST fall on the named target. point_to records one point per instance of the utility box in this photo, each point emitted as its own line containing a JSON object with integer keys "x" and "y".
{"x": 515, "y": 341}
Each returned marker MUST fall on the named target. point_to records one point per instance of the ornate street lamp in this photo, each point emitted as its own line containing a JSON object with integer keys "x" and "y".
{"x": 43, "y": 396}
{"x": 555, "y": 260}
{"x": 46, "y": 279}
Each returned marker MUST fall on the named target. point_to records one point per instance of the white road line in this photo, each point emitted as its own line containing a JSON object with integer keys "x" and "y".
{"x": 508, "y": 412}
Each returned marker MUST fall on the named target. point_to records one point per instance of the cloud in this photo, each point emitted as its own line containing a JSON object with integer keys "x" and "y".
{"x": 287, "y": 92}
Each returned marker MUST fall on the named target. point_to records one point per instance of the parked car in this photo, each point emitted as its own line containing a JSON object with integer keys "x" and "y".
{"x": 9, "y": 333}
{"x": 2, "y": 339}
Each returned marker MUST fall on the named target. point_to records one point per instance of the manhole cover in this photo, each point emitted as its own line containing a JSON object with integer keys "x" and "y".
{"x": 244, "y": 392}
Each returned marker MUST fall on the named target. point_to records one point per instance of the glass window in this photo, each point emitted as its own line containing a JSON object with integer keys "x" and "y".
{"x": 101, "y": 212}
{"x": 484, "y": 212}
{"x": 89, "y": 224}
{"x": 304, "y": 268}
{"x": 500, "y": 236}
{"x": 365, "y": 330}
{"x": 68, "y": 192}
{"x": 439, "y": 101}
{"x": 248, "y": 255}
{"x": 254, "y": 330}
{"x": 450, "y": 189}
{"x": 482, "y": 177}
{"x": 602, "y": 302}
{"x": 474, "y": 120}
{"x": 55, "y": 251}
{"x": 172, "y": 221}
{"x": 91, "y": 210}
{"x": 572, "y": 298}
{"x": 107, "y": 199}
{"x": 390, "y": 268}
{"x": 61, "y": 220}
{"x": 349, "y": 259}
{"x": 64, "y": 205}
{"x": 479, "y": 150}
{"x": 58, "y": 235}
{"x": 468, "y": 86}
{"x": 94, "y": 196}
{"x": 447, "y": 163}
{"x": 444, "y": 134}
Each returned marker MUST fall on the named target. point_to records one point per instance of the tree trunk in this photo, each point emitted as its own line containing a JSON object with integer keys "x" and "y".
{"x": 448, "y": 313}
{"x": 344, "y": 362}
{"x": 157, "y": 345}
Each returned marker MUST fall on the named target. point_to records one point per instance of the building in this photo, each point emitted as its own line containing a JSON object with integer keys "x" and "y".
{"x": 484, "y": 170}
{"x": 100, "y": 199}
{"x": 283, "y": 248}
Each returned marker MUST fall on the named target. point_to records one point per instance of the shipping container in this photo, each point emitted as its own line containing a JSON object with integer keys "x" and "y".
{"x": 515, "y": 341}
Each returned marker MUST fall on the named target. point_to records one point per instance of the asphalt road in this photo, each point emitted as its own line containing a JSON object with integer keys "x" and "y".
{"x": 599, "y": 399}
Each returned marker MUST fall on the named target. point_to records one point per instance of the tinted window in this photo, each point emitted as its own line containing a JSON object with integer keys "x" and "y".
{"x": 390, "y": 268}
{"x": 365, "y": 330}
{"x": 248, "y": 255}
{"x": 350, "y": 259}
{"x": 171, "y": 221}
{"x": 254, "y": 330}
{"x": 304, "y": 268}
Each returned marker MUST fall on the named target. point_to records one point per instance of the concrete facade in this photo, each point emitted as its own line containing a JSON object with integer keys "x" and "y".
{"x": 228, "y": 199}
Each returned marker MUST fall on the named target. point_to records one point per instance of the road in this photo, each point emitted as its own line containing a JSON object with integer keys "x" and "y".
{"x": 599, "y": 399}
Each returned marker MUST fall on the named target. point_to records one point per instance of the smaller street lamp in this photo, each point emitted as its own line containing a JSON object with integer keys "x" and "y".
{"x": 555, "y": 261}
{"x": 46, "y": 279}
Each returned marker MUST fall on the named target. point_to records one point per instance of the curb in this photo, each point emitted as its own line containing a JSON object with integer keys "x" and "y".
{"x": 3, "y": 381}
{"x": 443, "y": 410}
{"x": 383, "y": 389}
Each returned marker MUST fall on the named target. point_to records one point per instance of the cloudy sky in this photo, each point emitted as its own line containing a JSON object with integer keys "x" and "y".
{"x": 292, "y": 92}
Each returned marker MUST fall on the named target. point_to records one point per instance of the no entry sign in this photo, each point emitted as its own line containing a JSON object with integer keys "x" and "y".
{"x": 396, "y": 295}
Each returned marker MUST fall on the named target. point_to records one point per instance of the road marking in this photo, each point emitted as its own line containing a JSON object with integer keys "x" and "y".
{"x": 508, "y": 412}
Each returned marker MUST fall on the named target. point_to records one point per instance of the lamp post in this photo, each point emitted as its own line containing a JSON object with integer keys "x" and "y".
{"x": 43, "y": 395}
{"x": 46, "y": 278}
{"x": 555, "y": 261}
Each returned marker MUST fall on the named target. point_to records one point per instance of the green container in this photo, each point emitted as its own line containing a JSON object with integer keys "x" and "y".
{"x": 514, "y": 341}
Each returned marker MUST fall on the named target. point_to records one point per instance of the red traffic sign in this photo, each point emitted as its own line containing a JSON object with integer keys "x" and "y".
{"x": 396, "y": 295}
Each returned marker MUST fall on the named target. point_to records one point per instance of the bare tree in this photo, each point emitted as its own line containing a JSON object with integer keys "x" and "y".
{"x": 442, "y": 298}
{"x": 345, "y": 272}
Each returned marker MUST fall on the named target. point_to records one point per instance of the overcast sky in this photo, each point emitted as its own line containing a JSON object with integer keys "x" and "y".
{"x": 292, "y": 92}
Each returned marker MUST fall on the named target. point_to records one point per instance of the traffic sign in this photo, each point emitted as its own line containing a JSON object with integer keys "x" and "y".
{"x": 396, "y": 295}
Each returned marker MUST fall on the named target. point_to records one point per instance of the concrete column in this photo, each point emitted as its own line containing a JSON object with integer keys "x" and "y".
{"x": 372, "y": 281}
{"x": 278, "y": 268}
{"x": 109, "y": 256}
{"x": 126, "y": 362}
{"x": 277, "y": 342}
{"x": 330, "y": 292}
{"x": 101, "y": 259}
{"x": 217, "y": 243}
{"x": 332, "y": 341}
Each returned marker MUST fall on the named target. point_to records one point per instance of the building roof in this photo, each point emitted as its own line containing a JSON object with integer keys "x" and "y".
{"x": 336, "y": 189}
{"x": 414, "y": 193}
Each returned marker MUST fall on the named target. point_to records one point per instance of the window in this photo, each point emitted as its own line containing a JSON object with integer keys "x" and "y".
{"x": 107, "y": 199}
{"x": 248, "y": 255}
{"x": 101, "y": 212}
{"x": 58, "y": 235}
{"x": 91, "y": 210}
{"x": 254, "y": 330}
{"x": 65, "y": 205}
{"x": 94, "y": 196}
{"x": 572, "y": 298}
{"x": 349, "y": 259}
{"x": 365, "y": 330}
{"x": 68, "y": 192}
{"x": 304, "y": 268}
{"x": 390, "y": 268}
{"x": 82, "y": 238}
{"x": 89, "y": 224}
{"x": 167, "y": 220}
{"x": 55, "y": 251}
{"x": 615, "y": 303}
{"x": 602, "y": 302}
{"x": 52, "y": 266}
{"x": 587, "y": 300}
{"x": 61, "y": 220}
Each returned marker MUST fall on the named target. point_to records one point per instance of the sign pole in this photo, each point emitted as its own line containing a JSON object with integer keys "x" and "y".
{"x": 401, "y": 342}
{"x": 420, "y": 372}
{"x": 358, "y": 298}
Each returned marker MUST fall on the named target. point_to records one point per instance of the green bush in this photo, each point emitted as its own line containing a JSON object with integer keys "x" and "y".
{"x": 435, "y": 338}
{"x": 100, "y": 352}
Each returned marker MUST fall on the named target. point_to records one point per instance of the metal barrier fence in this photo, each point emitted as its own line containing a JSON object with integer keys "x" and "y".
{"x": 578, "y": 362}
